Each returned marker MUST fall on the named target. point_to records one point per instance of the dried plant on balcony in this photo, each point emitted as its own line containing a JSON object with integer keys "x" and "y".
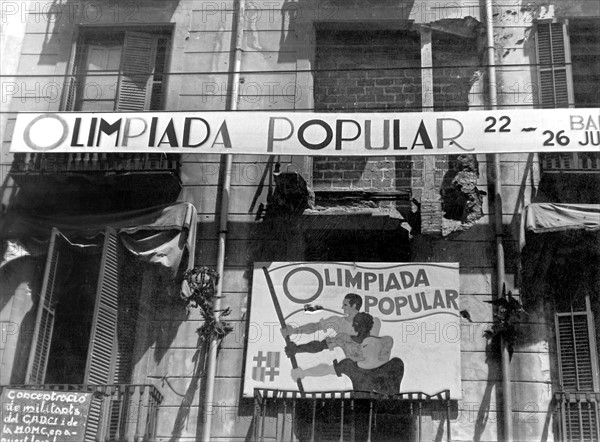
{"x": 507, "y": 317}
{"x": 198, "y": 290}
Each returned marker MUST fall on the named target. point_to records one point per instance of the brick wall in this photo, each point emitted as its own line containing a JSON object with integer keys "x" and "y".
{"x": 455, "y": 62}
{"x": 380, "y": 71}
{"x": 362, "y": 71}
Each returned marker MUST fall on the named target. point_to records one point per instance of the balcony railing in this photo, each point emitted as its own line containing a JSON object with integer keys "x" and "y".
{"x": 346, "y": 416}
{"x": 93, "y": 162}
{"x": 578, "y": 416}
{"x": 578, "y": 162}
{"x": 117, "y": 412}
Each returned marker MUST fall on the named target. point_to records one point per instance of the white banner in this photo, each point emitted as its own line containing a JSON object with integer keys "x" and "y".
{"x": 289, "y": 133}
{"x": 386, "y": 327}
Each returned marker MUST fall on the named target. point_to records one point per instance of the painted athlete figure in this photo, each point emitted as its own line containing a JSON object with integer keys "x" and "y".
{"x": 367, "y": 361}
{"x": 340, "y": 324}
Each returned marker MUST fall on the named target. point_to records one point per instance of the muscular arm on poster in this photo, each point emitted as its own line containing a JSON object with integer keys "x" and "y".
{"x": 331, "y": 323}
{"x": 316, "y": 371}
{"x": 311, "y": 347}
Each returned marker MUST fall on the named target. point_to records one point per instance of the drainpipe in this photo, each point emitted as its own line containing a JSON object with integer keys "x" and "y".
{"x": 498, "y": 222}
{"x": 223, "y": 219}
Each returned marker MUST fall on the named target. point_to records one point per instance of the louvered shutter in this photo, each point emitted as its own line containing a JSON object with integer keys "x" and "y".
{"x": 102, "y": 352}
{"x": 576, "y": 353}
{"x": 135, "y": 84}
{"x": 72, "y": 81}
{"x": 103, "y": 341}
{"x": 554, "y": 66}
{"x": 46, "y": 313}
{"x": 578, "y": 369}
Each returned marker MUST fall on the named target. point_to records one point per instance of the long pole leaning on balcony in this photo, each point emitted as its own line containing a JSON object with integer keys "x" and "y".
{"x": 238, "y": 28}
{"x": 499, "y": 223}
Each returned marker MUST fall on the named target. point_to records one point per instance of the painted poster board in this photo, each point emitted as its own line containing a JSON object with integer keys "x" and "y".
{"x": 43, "y": 415}
{"x": 415, "y": 312}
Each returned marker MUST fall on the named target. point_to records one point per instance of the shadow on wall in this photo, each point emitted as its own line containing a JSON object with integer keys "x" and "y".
{"x": 20, "y": 281}
{"x": 195, "y": 386}
{"x": 298, "y": 18}
{"x": 60, "y": 19}
{"x": 483, "y": 413}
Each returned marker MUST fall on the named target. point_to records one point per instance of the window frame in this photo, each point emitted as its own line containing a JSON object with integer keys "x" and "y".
{"x": 553, "y": 67}
{"x": 592, "y": 334}
{"x": 578, "y": 411}
{"x": 70, "y": 99}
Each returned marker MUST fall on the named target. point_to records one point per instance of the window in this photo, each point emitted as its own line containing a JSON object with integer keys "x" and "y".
{"x": 86, "y": 321}
{"x": 118, "y": 70}
{"x": 578, "y": 370}
{"x": 569, "y": 63}
{"x": 568, "y": 56}
{"x": 86, "y": 318}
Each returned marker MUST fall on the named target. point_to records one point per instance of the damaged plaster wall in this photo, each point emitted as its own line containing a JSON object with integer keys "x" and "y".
{"x": 516, "y": 85}
{"x": 458, "y": 56}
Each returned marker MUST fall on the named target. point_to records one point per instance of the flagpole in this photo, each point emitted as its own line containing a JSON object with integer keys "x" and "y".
{"x": 288, "y": 341}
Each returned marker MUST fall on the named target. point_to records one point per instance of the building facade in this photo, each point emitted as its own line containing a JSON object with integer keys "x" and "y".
{"x": 95, "y": 245}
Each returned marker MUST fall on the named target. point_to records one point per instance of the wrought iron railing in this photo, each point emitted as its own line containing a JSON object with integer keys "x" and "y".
{"x": 93, "y": 162}
{"x": 282, "y": 415}
{"x": 578, "y": 162}
{"x": 578, "y": 416}
{"x": 121, "y": 413}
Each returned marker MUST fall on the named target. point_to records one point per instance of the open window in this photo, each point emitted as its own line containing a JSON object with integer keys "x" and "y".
{"x": 118, "y": 70}
{"x": 85, "y": 325}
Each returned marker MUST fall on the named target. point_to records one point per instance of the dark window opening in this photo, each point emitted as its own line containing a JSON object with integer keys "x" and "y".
{"x": 386, "y": 421}
{"x": 584, "y": 36}
{"x": 357, "y": 245}
{"x": 76, "y": 293}
{"x": 88, "y": 307}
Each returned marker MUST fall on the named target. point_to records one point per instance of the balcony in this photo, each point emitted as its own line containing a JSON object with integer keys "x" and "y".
{"x": 102, "y": 181}
{"x": 93, "y": 162}
{"x": 117, "y": 412}
{"x": 576, "y": 162}
{"x": 346, "y": 415}
{"x": 578, "y": 416}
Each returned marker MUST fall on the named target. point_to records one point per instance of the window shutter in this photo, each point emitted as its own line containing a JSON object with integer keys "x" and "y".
{"x": 554, "y": 66}
{"x": 101, "y": 360}
{"x": 575, "y": 351}
{"x": 72, "y": 81}
{"x": 578, "y": 370}
{"x": 46, "y": 313}
{"x": 102, "y": 350}
{"x": 135, "y": 85}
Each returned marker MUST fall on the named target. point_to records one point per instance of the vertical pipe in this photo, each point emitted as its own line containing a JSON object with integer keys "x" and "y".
{"x": 223, "y": 219}
{"x": 500, "y": 268}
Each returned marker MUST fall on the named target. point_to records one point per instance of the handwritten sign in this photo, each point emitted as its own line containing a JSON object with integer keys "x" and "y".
{"x": 286, "y": 133}
{"x": 43, "y": 416}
